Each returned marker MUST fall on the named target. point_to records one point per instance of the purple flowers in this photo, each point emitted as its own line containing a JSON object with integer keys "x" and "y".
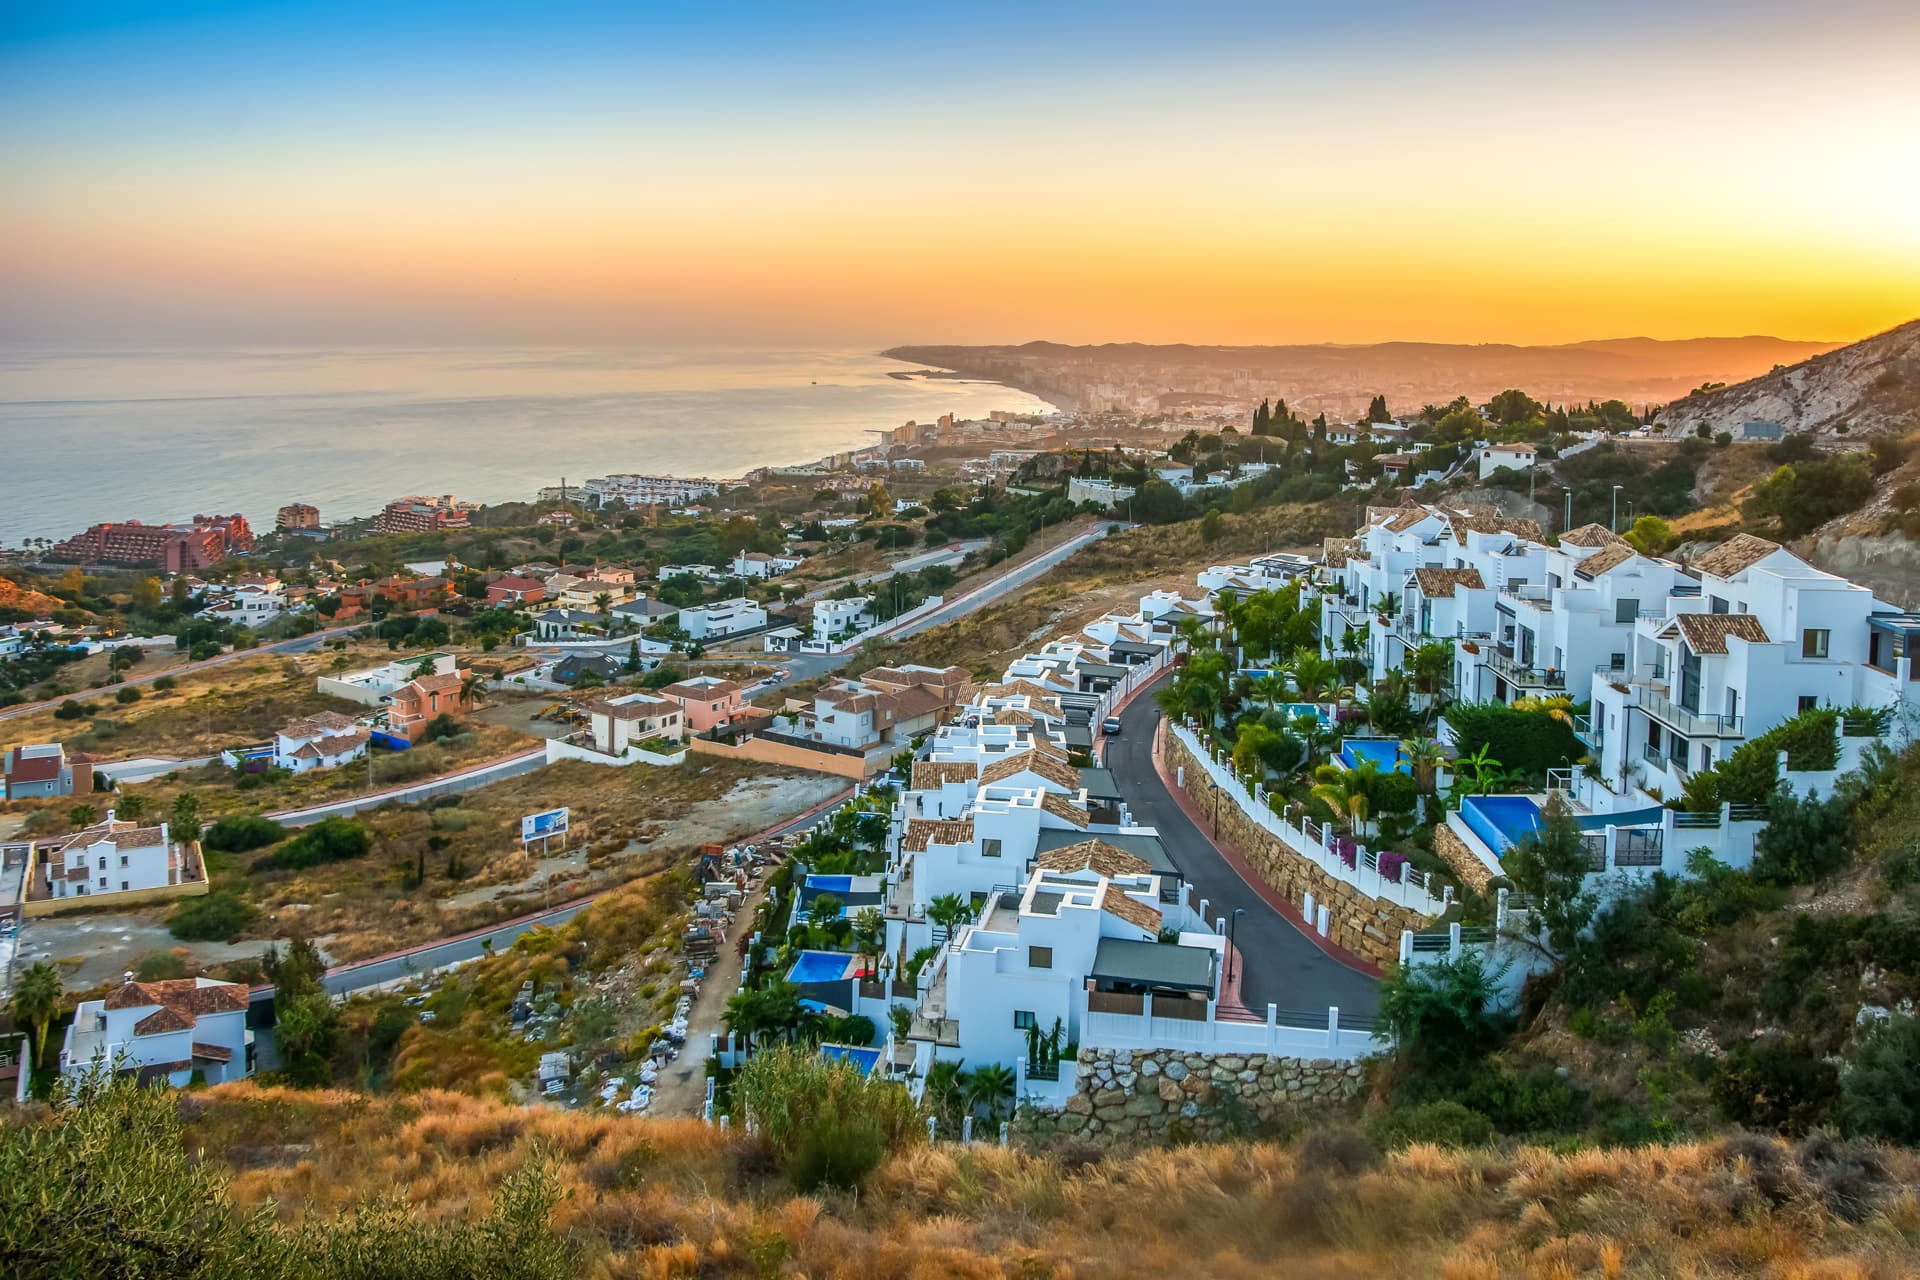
{"x": 1390, "y": 864}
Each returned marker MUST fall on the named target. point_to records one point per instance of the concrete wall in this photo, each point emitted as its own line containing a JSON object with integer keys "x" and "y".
{"x": 116, "y": 900}
{"x": 782, "y": 753}
{"x": 1145, "y": 1094}
{"x": 558, "y": 751}
{"x": 1366, "y": 925}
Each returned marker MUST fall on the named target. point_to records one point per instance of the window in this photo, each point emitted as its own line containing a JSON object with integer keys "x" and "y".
{"x": 1808, "y": 701}
{"x": 103, "y": 882}
{"x": 1716, "y": 605}
{"x": 123, "y": 859}
{"x": 990, "y": 848}
{"x": 123, "y": 886}
{"x": 1023, "y": 1020}
{"x": 1814, "y": 642}
{"x": 1625, "y": 610}
{"x": 1039, "y": 957}
{"x": 1617, "y": 661}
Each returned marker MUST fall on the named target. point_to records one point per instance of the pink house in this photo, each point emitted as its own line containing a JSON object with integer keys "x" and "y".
{"x": 709, "y": 702}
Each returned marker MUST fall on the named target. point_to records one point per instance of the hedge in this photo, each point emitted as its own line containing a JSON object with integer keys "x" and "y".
{"x": 1527, "y": 742}
{"x": 1751, "y": 773}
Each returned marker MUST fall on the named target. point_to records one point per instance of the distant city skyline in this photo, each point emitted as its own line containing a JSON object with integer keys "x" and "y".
{"x": 296, "y": 173}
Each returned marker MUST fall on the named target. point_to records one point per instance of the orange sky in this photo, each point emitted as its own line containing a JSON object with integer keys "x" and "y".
{"x": 1544, "y": 185}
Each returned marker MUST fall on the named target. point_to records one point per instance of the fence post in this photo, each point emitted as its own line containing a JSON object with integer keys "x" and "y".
{"x": 1306, "y": 911}
{"x": 1019, "y": 1075}
{"x": 931, "y": 1125}
{"x": 1273, "y": 1027}
{"x": 1323, "y": 920}
{"x": 1500, "y": 910}
{"x": 1453, "y": 941}
{"x": 1333, "y": 1026}
{"x": 1406, "y": 946}
{"x": 1004, "y": 1129}
{"x": 966, "y": 1128}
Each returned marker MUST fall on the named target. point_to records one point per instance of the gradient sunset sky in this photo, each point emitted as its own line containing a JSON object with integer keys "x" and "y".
{"x": 757, "y": 173}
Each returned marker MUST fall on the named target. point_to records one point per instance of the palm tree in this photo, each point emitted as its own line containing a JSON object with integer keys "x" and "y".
{"x": 1345, "y": 791}
{"x": 603, "y": 603}
{"x": 1270, "y": 689}
{"x": 945, "y": 1091}
{"x": 129, "y": 807}
{"x": 1476, "y": 773}
{"x": 1424, "y": 755}
{"x": 1312, "y": 676}
{"x": 186, "y": 816}
{"x": 1430, "y": 664}
{"x": 473, "y": 688}
{"x": 870, "y": 934}
{"x": 1314, "y": 733}
{"x": 1387, "y": 605}
{"x": 948, "y": 910}
{"x": 83, "y": 815}
{"x": 990, "y": 1086}
{"x": 36, "y": 998}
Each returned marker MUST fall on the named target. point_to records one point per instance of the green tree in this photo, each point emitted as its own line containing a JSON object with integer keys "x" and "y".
{"x": 948, "y": 910}
{"x": 1347, "y": 792}
{"x": 1210, "y": 527}
{"x": 1442, "y": 1016}
{"x": 989, "y": 1088}
{"x": 35, "y": 1001}
{"x": 83, "y": 815}
{"x": 1880, "y": 1088}
{"x": 186, "y": 816}
{"x": 1650, "y": 535}
{"x": 129, "y": 807}
{"x": 1551, "y": 867}
{"x": 1377, "y": 410}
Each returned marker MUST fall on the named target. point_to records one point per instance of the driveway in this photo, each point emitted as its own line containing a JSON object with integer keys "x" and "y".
{"x": 1284, "y": 967}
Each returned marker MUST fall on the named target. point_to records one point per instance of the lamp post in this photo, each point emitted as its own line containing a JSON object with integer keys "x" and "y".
{"x": 1566, "y": 521}
{"x": 1613, "y": 521}
{"x": 1233, "y": 930}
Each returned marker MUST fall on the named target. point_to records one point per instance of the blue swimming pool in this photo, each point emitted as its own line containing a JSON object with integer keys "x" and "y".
{"x": 865, "y": 1059}
{"x": 819, "y": 966}
{"x": 1501, "y": 821}
{"x": 1385, "y": 754}
{"x": 830, "y": 884}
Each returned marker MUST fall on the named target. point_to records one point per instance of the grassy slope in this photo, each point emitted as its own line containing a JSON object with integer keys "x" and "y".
{"x": 675, "y": 1198}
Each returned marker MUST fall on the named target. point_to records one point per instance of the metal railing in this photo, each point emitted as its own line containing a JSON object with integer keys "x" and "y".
{"x": 1691, "y": 724}
{"x": 1525, "y": 676}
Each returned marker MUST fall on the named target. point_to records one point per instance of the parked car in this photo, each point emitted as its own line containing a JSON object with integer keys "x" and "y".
{"x": 1110, "y": 726}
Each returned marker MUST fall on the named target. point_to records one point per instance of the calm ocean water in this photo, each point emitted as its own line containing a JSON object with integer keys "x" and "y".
{"x": 159, "y": 434}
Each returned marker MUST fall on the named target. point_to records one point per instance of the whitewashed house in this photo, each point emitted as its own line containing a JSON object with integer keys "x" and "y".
{"x": 325, "y": 740}
{"x": 168, "y": 1031}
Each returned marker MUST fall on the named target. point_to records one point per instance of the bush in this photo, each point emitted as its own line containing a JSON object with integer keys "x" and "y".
{"x": 828, "y": 1123}
{"x": 164, "y": 684}
{"x": 159, "y": 967}
{"x": 240, "y": 832}
{"x": 1786, "y": 1088}
{"x": 330, "y": 840}
{"x": 1527, "y": 742}
{"x": 126, "y": 695}
{"x": 1445, "y": 1123}
{"x": 1880, "y": 1089}
{"x": 71, "y": 709}
{"x": 215, "y": 918}
{"x": 1394, "y": 793}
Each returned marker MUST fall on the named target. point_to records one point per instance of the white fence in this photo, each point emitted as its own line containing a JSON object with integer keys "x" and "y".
{"x": 1406, "y": 888}
{"x": 1276, "y": 1036}
{"x": 558, "y": 750}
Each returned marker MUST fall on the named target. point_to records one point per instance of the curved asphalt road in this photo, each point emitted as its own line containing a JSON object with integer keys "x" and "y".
{"x": 1284, "y": 968}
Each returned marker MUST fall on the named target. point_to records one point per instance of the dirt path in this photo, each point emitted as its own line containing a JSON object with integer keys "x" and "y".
{"x": 682, "y": 1088}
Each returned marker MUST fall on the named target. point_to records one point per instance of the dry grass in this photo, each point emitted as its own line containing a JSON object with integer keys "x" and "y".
{"x": 674, "y": 1198}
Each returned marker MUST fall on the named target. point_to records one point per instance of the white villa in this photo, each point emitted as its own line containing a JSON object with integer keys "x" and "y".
{"x": 722, "y": 618}
{"x": 325, "y": 740}
{"x": 758, "y": 564}
{"x": 622, "y": 723}
{"x": 837, "y": 620}
{"x": 163, "y": 1031}
{"x": 373, "y": 686}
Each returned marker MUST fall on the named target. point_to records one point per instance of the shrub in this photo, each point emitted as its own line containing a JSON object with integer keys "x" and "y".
{"x": 1880, "y": 1089}
{"x": 330, "y": 840}
{"x": 1441, "y": 1015}
{"x": 164, "y": 684}
{"x": 239, "y": 832}
{"x": 126, "y": 695}
{"x": 828, "y": 1123}
{"x": 1445, "y": 1123}
{"x": 160, "y": 966}
{"x": 71, "y": 709}
{"x": 1528, "y": 742}
{"x": 1786, "y": 1088}
{"x": 216, "y": 917}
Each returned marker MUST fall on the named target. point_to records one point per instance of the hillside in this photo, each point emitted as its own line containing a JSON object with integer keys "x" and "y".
{"x": 1339, "y": 380}
{"x": 32, "y": 603}
{"x": 1868, "y": 388}
{"x": 482, "y": 1188}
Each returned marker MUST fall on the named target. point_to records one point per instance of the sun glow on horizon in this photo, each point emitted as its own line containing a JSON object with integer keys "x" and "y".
{"x": 1531, "y": 180}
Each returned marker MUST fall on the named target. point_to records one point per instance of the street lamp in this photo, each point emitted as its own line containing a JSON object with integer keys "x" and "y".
{"x": 1566, "y": 522}
{"x": 1233, "y": 930}
{"x": 1613, "y": 521}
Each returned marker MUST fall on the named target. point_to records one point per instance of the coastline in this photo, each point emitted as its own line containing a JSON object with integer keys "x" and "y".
{"x": 1038, "y": 393}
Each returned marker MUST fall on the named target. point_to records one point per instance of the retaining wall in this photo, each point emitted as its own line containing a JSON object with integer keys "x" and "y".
{"x": 1125, "y": 1095}
{"x": 1359, "y": 922}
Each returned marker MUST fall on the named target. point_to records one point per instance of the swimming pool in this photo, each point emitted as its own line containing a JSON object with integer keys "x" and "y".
{"x": 1385, "y": 754}
{"x": 830, "y": 884}
{"x": 1501, "y": 821}
{"x": 865, "y": 1059}
{"x": 819, "y": 966}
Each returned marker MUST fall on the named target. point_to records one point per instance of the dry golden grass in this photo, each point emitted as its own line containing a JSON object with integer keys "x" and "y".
{"x": 675, "y": 1198}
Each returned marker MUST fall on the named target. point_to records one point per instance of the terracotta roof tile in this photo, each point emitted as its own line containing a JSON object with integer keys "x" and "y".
{"x": 1606, "y": 559}
{"x": 1094, "y": 855}
{"x": 1061, "y": 807}
{"x": 1740, "y": 552}
{"x": 1590, "y": 535}
{"x": 1045, "y": 766}
{"x": 162, "y": 1019}
{"x": 1708, "y": 632}
{"x": 1132, "y": 910}
{"x": 931, "y": 774}
{"x": 922, "y": 832}
{"x": 183, "y": 995}
{"x": 1439, "y": 584}
{"x": 212, "y": 1052}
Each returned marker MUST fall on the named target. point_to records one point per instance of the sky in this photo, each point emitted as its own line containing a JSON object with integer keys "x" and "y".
{"x": 752, "y": 173}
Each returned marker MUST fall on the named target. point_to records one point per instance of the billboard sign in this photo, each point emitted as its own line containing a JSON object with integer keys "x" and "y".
{"x": 543, "y": 826}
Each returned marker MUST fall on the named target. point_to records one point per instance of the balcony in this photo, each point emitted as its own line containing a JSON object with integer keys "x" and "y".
{"x": 1534, "y": 595}
{"x": 1525, "y": 677}
{"x": 1689, "y": 724}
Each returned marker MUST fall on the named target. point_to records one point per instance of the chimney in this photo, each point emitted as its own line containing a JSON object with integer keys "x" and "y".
{"x": 109, "y": 817}
{"x": 126, "y": 978}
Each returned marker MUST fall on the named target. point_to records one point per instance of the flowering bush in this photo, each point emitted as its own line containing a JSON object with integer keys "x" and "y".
{"x": 1390, "y": 864}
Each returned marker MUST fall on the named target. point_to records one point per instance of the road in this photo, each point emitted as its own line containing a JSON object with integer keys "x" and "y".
{"x": 400, "y": 966}
{"x": 1283, "y": 966}
{"x": 299, "y": 644}
{"x": 982, "y": 596}
{"x": 447, "y": 784}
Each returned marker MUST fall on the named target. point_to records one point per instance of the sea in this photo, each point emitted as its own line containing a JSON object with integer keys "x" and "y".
{"x": 159, "y": 434}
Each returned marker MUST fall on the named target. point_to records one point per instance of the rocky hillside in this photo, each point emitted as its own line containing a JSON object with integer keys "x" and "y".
{"x": 1870, "y": 388}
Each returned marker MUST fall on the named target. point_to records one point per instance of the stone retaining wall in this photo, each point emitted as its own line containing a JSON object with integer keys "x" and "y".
{"x": 1357, "y": 921}
{"x": 1465, "y": 862}
{"x": 1147, "y": 1094}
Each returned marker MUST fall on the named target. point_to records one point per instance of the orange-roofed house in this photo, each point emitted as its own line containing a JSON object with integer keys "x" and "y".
{"x": 413, "y": 706}
{"x": 169, "y": 1031}
{"x": 709, "y": 702}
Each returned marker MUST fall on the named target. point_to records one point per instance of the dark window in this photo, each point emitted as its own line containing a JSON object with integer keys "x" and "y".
{"x": 1023, "y": 1020}
{"x": 1814, "y": 642}
{"x": 1040, "y": 957}
{"x": 1808, "y": 701}
{"x": 1716, "y": 605}
{"x": 1625, "y": 610}
{"x": 990, "y": 848}
{"x": 1690, "y": 681}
